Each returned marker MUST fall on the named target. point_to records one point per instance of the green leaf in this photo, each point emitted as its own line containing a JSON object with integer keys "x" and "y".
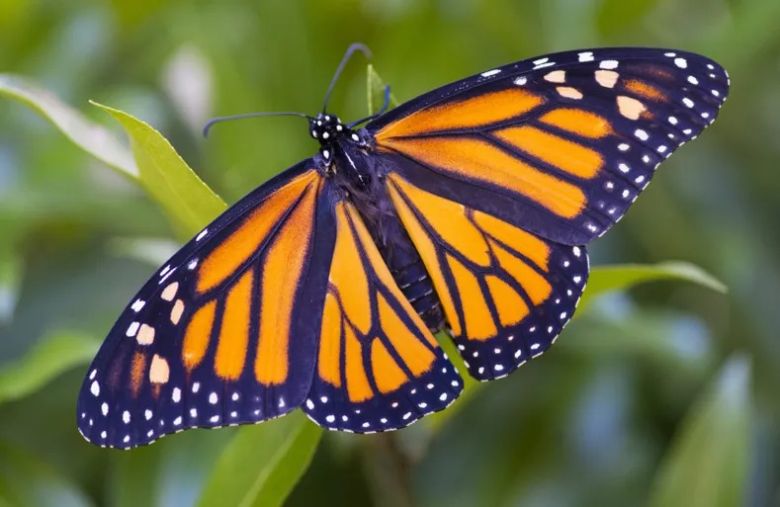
{"x": 27, "y": 480}
{"x": 91, "y": 137}
{"x": 47, "y": 359}
{"x": 605, "y": 279}
{"x": 375, "y": 87}
{"x": 262, "y": 463}
{"x": 167, "y": 177}
{"x": 151, "y": 161}
{"x": 708, "y": 462}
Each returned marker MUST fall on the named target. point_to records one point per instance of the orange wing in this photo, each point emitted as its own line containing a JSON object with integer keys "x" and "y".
{"x": 223, "y": 334}
{"x": 560, "y": 146}
{"x": 378, "y": 366}
{"x": 506, "y": 293}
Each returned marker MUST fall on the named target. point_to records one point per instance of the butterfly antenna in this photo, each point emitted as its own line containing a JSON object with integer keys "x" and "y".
{"x": 351, "y": 50}
{"x": 220, "y": 119}
{"x": 382, "y": 110}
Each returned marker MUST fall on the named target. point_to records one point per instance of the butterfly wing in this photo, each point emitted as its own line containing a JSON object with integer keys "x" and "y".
{"x": 506, "y": 293}
{"x": 378, "y": 366}
{"x": 560, "y": 145}
{"x": 500, "y": 179}
{"x": 225, "y": 333}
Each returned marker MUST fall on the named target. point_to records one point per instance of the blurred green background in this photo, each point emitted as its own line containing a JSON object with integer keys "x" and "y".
{"x": 667, "y": 394}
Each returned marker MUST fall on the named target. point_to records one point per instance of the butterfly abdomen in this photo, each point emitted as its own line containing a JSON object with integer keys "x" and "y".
{"x": 408, "y": 270}
{"x": 416, "y": 286}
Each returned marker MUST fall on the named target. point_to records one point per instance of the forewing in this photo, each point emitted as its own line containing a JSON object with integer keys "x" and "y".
{"x": 560, "y": 145}
{"x": 224, "y": 333}
{"x": 378, "y": 366}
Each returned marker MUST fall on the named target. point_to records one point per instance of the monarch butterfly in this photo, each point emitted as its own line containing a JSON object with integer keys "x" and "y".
{"x": 466, "y": 209}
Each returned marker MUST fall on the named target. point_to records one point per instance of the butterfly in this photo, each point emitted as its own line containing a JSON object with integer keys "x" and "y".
{"x": 466, "y": 209}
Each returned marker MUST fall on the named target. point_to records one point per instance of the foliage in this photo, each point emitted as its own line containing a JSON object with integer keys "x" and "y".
{"x": 614, "y": 404}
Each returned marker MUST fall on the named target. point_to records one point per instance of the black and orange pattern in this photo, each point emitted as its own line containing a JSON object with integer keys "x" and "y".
{"x": 506, "y": 293}
{"x": 467, "y": 209}
{"x": 560, "y": 145}
{"x": 215, "y": 338}
{"x": 378, "y": 367}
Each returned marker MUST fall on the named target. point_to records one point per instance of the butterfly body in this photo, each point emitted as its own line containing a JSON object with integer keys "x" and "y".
{"x": 347, "y": 159}
{"x": 468, "y": 208}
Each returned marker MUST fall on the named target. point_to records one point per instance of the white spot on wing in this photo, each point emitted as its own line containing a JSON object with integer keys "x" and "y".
{"x": 585, "y": 56}
{"x": 606, "y": 78}
{"x": 608, "y": 64}
{"x": 145, "y": 335}
{"x": 177, "y": 311}
{"x": 569, "y": 92}
{"x": 556, "y": 76}
{"x": 169, "y": 292}
{"x": 132, "y": 329}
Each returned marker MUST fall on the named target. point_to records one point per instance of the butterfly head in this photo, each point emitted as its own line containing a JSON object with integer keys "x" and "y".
{"x": 326, "y": 128}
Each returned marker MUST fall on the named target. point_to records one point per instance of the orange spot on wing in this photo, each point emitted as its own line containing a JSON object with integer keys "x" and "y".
{"x": 535, "y": 285}
{"x": 479, "y": 322}
{"x": 358, "y": 388}
{"x": 234, "y": 334}
{"x": 387, "y": 374}
{"x": 473, "y": 112}
{"x": 247, "y": 238}
{"x": 283, "y": 270}
{"x": 521, "y": 241}
{"x": 577, "y": 121}
{"x": 561, "y": 153}
{"x": 510, "y": 306}
{"x": 196, "y": 337}
{"x": 329, "y": 359}
{"x": 645, "y": 90}
{"x": 426, "y": 249}
{"x": 478, "y": 160}
{"x": 348, "y": 274}
{"x": 418, "y": 357}
{"x": 137, "y": 371}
